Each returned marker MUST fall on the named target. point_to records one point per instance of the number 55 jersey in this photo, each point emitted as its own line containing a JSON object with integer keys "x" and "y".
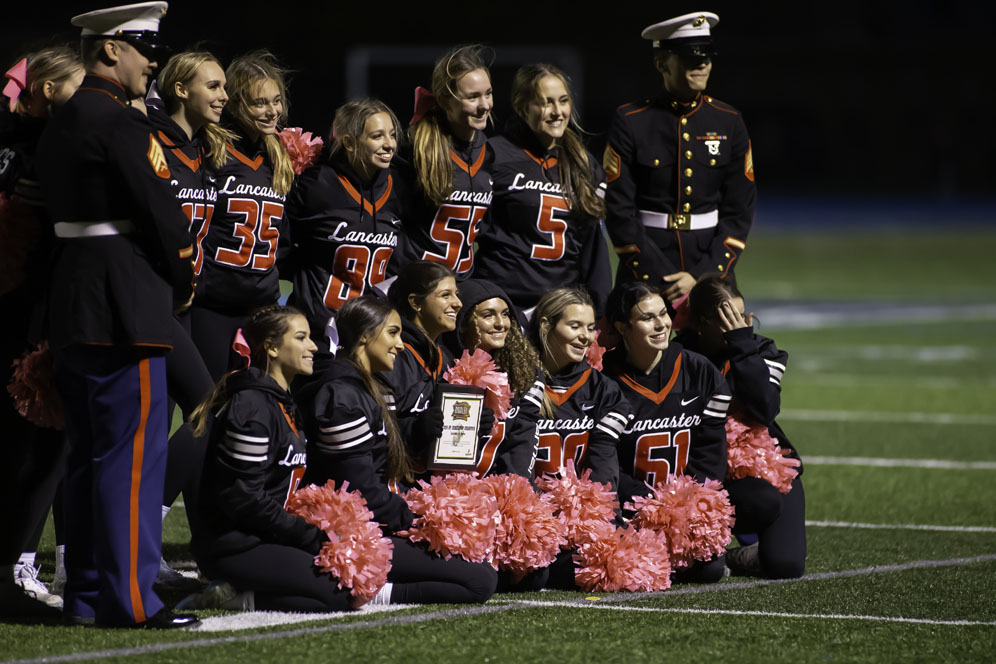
{"x": 239, "y": 249}
{"x": 677, "y": 420}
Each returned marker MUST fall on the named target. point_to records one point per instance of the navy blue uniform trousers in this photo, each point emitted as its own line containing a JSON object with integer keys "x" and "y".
{"x": 116, "y": 426}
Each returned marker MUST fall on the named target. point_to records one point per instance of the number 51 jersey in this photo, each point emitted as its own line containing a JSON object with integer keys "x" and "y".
{"x": 240, "y": 247}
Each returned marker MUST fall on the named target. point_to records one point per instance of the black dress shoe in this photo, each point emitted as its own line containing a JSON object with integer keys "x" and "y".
{"x": 166, "y": 619}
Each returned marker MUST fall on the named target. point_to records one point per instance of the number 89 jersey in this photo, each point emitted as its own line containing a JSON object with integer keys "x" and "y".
{"x": 533, "y": 242}
{"x": 677, "y": 420}
{"x": 344, "y": 233}
{"x": 239, "y": 249}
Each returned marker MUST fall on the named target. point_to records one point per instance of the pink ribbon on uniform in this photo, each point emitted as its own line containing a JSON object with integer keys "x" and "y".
{"x": 18, "y": 75}
{"x": 424, "y": 102}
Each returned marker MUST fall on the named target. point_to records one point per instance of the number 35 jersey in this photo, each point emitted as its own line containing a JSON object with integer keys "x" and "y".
{"x": 343, "y": 233}
{"x": 677, "y": 420}
{"x": 240, "y": 247}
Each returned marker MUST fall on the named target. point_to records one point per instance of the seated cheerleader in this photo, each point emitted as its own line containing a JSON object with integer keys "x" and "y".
{"x": 753, "y": 366}
{"x": 678, "y": 401}
{"x": 260, "y": 556}
{"x": 425, "y": 294}
{"x": 488, "y": 321}
{"x": 354, "y": 437}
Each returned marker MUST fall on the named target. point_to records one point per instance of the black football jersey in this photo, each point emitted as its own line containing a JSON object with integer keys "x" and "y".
{"x": 590, "y": 415}
{"x": 447, "y": 233}
{"x": 191, "y": 179}
{"x": 533, "y": 241}
{"x": 343, "y": 234}
{"x": 512, "y": 448}
{"x": 677, "y": 420}
{"x": 239, "y": 271}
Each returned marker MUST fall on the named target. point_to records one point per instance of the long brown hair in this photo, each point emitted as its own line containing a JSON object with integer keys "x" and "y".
{"x": 245, "y": 75}
{"x": 359, "y": 321}
{"x": 430, "y": 136}
{"x": 574, "y": 167}
{"x": 182, "y": 68}
{"x": 548, "y": 312}
{"x": 265, "y": 325}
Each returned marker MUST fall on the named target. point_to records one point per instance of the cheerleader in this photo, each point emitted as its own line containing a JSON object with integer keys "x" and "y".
{"x": 722, "y": 331}
{"x": 344, "y": 215}
{"x": 488, "y": 321}
{"x": 544, "y": 230}
{"x": 678, "y": 404}
{"x": 354, "y": 437}
{"x": 260, "y": 556}
{"x": 449, "y": 167}
{"x": 239, "y": 267}
{"x": 425, "y": 294}
{"x": 36, "y": 86}
{"x": 589, "y": 410}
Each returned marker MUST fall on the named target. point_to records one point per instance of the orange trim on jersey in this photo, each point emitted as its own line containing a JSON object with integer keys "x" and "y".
{"x": 560, "y": 398}
{"x": 137, "y": 456}
{"x": 358, "y": 197}
{"x": 254, "y": 164}
{"x": 290, "y": 420}
{"x": 544, "y": 163}
{"x": 418, "y": 358}
{"x": 726, "y": 368}
{"x": 656, "y": 397}
{"x": 635, "y": 111}
{"x": 471, "y": 169}
{"x": 192, "y": 164}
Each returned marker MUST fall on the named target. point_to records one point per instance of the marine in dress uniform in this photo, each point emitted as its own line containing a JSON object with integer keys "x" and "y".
{"x": 122, "y": 261}
{"x": 680, "y": 173}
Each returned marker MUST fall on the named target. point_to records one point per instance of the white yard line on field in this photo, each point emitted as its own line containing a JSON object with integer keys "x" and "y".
{"x": 493, "y": 607}
{"x": 943, "y": 464}
{"x": 772, "y": 614}
{"x": 900, "y": 526}
{"x": 809, "y": 415}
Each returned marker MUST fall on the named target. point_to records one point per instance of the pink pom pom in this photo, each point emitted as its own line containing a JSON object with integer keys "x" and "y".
{"x": 529, "y": 536}
{"x": 681, "y": 319}
{"x": 696, "y": 518}
{"x": 480, "y": 371}
{"x": 595, "y": 352}
{"x": 586, "y": 507}
{"x": 752, "y": 452}
{"x": 21, "y": 231}
{"x": 32, "y": 386}
{"x": 457, "y": 515}
{"x": 357, "y": 552}
{"x": 624, "y": 559}
{"x": 302, "y": 148}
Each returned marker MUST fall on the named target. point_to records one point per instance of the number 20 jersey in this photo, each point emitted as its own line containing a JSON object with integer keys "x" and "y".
{"x": 240, "y": 248}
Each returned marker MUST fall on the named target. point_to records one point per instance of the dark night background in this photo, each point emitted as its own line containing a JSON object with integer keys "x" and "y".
{"x": 879, "y": 104}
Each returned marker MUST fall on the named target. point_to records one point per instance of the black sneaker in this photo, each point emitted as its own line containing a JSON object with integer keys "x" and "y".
{"x": 744, "y": 561}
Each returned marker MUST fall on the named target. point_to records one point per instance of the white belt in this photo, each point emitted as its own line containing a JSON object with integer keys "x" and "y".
{"x": 681, "y": 222}
{"x": 73, "y": 229}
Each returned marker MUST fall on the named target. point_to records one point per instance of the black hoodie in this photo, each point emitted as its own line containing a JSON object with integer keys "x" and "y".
{"x": 348, "y": 441}
{"x": 344, "y": 234}
{"x": 512, "y": 449}
{"x": 255, "y": 460}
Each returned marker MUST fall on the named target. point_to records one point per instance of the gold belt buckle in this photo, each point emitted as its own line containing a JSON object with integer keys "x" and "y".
{"x": 679, "y": 221}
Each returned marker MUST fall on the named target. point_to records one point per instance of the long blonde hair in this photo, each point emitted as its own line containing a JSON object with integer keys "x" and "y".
{"x": 245, "y": 74}
{"x": 575, "y": 170}
{"x": 549, "y": 311}
{"x": 57, "y": 64}
{"x": 351, "y": 120}
{"x": 182, "y": 68}
{"x": 430, "y": 136}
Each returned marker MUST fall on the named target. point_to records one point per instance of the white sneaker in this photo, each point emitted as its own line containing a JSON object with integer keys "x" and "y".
{"x": 167, "y": 577}
{"x": 26, "y": 576}
{"x": 219, "y": 595}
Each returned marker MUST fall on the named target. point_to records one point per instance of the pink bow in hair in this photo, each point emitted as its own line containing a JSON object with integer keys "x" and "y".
{"x": 241, "y": 346}
{"x": 18, "y": 75}
{"x": 424, "y": 102}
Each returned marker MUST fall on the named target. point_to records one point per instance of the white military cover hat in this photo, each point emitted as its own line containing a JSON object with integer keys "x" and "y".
{"x": 141, "y": 18}
{"x": 689, "y": 34}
